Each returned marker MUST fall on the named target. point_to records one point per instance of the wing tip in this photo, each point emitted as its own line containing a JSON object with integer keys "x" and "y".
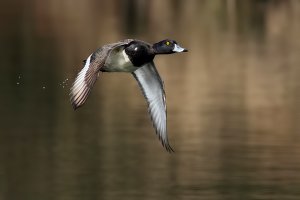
{"x": 78, "y": 99}
{"x": 75, "y": 105}
{"x": 168, "y": 147}
{"x": 170, "y": 150}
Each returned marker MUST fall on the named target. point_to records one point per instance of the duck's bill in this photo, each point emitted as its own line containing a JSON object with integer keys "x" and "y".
{"x": 178, "y": 48}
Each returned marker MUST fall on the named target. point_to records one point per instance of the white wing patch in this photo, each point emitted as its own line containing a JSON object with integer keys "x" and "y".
{"x": 80, "y": 89}
{"x": 125, "y": 56}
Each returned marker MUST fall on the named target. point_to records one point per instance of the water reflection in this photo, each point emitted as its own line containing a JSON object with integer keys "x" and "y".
{"x": 233, "y": 102}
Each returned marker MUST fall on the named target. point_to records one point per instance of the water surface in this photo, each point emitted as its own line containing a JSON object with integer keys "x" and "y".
{"x": 233, "y": 102}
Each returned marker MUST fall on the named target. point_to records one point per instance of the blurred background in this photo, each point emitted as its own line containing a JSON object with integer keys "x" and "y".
{"x": 233, "y": 101}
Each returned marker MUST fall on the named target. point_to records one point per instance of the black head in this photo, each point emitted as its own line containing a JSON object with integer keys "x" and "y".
{"x": 167, "y": 47}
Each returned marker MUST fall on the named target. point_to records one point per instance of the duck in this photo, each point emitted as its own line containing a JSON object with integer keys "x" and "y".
{"x": 135, "y": 57}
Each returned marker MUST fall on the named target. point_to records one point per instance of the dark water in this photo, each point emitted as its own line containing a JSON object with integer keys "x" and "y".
{"x": 233, "y": 102}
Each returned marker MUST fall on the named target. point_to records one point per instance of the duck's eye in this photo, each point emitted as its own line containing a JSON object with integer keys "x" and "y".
{"x": 168, "y": 43}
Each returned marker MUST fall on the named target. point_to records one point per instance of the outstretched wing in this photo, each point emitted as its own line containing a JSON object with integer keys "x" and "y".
{"x": 87, "y": 77}
{"x": 153, "y": 90}
{"x": 84, "y": 81}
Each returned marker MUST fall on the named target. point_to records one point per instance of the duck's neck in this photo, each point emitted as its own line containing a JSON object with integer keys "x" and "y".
{"x": 139, "y": 58}
{"x": 156, "y": 49}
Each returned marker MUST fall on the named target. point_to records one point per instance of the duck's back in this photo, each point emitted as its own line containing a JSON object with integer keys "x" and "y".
{"x": 110, "y": 56}
{"x": 117, "y": 59}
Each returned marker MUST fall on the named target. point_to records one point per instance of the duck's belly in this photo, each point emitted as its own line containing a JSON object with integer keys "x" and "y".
{"x": 119, "y": 62}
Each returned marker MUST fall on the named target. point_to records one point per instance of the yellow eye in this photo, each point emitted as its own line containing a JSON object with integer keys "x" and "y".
{"x": 167, "y": 43}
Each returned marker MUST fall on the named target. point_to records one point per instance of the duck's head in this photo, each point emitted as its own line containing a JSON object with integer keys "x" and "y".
{"x": 167, "y": 47}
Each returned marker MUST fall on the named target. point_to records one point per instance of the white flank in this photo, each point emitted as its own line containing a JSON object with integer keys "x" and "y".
{"x": 125, "y": 56}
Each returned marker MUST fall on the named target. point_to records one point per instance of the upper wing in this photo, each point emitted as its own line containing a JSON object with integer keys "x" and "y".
{"x": 153, "y": 90}
{"x": 87, "y": 77}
